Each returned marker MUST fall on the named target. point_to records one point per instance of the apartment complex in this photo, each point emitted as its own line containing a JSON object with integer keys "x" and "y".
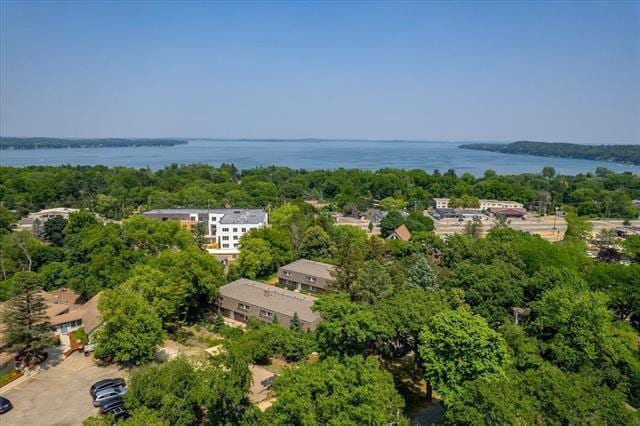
{"x": 67, "y": 314}
{"x": 223, "y": 228}
{"x": 443, "y": 203}
{"x": 307, "y": 275}
{"x": 243, "y": 299}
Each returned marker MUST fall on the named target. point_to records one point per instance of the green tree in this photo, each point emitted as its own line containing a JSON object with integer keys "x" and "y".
{"x": 29, "y": 331}
{"x": 420, "y": 274}
{"x": 315, "y": 243}
{"x": 392, "y": 204}
{"x": 491, "y": 290}
{"x": 544, "y": 395}
{"x": 631, "y": 247}
{"x": 80, "y": 220}
{"x": 373, "y": 283}
{"x": 54, "y": 230}
{"x": 390, "y": 223}
{"x": 167, "y": 389}
{"x": 347, "y": 327}
{"x": 336, "y": 391}
{"x": 7, "y": 220}
{"x": 457, "y": 347}
{"x": 418, "y": 222}
{"x": 295, "y": 323}
{"x": 621, "y": 283}
{"x": 577, "y": 227}
{"x": 349, "y": 258}
{"x": 131, "y": 331}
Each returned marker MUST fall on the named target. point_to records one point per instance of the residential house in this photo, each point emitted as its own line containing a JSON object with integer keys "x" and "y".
{"x": 306, "y": 275}
{"x": 243, "y": 299}
{"x": 67, "y": 314}
{"x": 222, "y": 228}
{"x": 401, "y": 233}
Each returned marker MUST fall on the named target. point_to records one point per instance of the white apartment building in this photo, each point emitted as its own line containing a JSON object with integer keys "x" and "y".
{"x": 223, "y": 227}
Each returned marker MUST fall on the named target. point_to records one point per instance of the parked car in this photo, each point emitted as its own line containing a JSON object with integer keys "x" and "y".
{"x": 119, "y": 413}
{"x": 110, "y": 404}
{"x": 5, "y": 405}
{"x": 105, "y": 384}
{"x": 88, "y": 349}
{"x": 108, "y": 394}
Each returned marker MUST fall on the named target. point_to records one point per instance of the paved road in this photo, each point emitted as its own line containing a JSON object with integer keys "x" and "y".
{"x": 57, "y": 396}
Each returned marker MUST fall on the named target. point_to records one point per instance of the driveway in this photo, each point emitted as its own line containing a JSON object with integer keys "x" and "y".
{"x": 59, "y": 395}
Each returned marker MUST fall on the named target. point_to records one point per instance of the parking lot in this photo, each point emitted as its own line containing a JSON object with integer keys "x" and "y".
{"x": 57, "y": 396}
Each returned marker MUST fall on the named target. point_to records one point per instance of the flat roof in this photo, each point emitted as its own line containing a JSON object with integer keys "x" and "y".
{"x": 310, "y": 267}
{"x": 230, "y": 216}
{"x": 275, "y": 299}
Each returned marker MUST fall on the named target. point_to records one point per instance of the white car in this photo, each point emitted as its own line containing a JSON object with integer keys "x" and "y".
{"x": 107, "y": 394}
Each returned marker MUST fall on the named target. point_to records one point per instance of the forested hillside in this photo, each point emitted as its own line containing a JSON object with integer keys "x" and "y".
{"x": 118, "y": 191}
{"x": 629, "y": 154}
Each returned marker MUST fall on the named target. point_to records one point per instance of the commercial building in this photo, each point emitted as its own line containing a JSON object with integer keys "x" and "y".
{"x": 222, "y": 228}
{"x": 471, "y": 215}
{"x": 509, "y": 213}
{"x": 445, "y": 213}
{"x": 441, "y": 203}
{"x": 306, "y": 275}
{"x": 39, "y": 218}
{"x": 243, "y": 299}
{"x": 485, "y": 204}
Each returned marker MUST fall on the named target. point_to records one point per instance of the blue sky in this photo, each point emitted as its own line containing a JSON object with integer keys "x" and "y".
{"x": 553, "y": 71}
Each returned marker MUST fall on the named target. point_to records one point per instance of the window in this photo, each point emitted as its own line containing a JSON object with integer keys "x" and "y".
{"x": 243, "y": 307}
{"x": 235, "y": 229}
{"x": 266, "y": 314}
{"x": 225, "y": 246}
{"x": 225, "y": 229}
{"x": 311, "y": 279}
{"x": 225, "y": 238}
{"x": 236, "y": 245}
{"x": 213, "y": 219}
{"x": 286, "y": 273}
{"x": 240, "y": 317}
{"x": 235, "y": 237}
{"x": 244, "y": 229}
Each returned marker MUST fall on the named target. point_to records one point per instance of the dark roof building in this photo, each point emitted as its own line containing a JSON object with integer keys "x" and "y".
{"x": 243, "y": 299}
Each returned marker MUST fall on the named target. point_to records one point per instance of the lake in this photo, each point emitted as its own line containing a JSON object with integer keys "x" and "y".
{"x": 310, "y": 154}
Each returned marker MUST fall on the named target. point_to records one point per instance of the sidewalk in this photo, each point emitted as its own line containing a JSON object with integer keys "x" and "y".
{"x": 55, "y": 358}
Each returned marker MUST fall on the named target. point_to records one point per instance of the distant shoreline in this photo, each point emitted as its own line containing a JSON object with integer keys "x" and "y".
{"x": 8, "y": 143}
{"x": 623, "y": 154}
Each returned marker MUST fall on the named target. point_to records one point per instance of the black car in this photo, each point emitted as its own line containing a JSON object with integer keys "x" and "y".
{"x": 110, "y": 404}
{"x": 119, "y": 413}
{"x": 104, "y": 384}
{"x": 5, "y": 405}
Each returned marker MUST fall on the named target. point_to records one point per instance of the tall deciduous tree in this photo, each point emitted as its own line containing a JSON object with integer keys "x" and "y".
{"x": 458, "y": 346}
{"x": 347, "y": 391}
{"x": 28, "y": 329}
{"x": 54, "y": 230}
{"x": 132, "y": 330}
{"x": 315, "y": 243}
{"x": 349, "y": 259}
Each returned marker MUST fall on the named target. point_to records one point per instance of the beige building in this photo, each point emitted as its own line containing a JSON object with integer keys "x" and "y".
{"x": 306, "y": 275}
{"x": 243, "y": 299}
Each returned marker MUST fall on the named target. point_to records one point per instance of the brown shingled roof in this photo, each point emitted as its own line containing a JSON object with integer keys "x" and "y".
{"x": 403, "y": 232}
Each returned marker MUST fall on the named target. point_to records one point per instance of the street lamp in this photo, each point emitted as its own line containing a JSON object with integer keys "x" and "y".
{"x": 555, "y": 218}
